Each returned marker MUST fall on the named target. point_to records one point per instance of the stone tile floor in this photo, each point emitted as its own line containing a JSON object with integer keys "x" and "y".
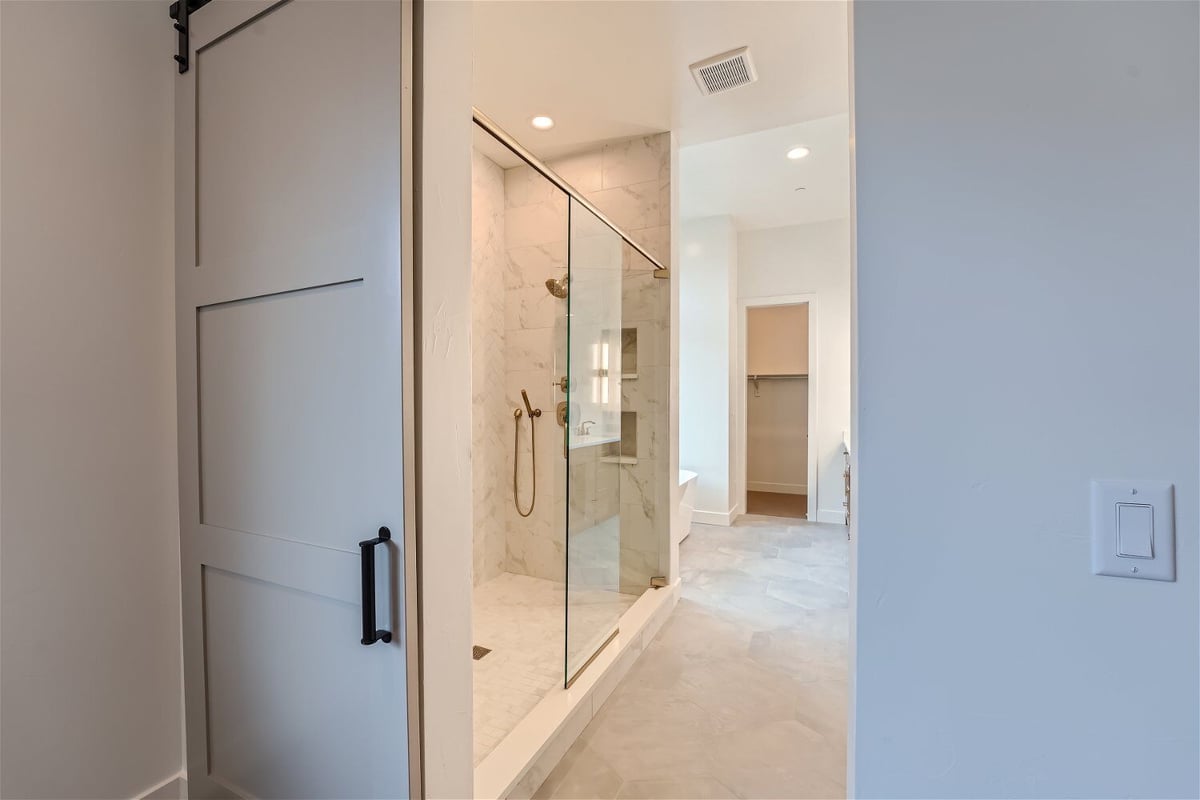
{"x": 743, "y": 692}
{"x": 521, "y": 620}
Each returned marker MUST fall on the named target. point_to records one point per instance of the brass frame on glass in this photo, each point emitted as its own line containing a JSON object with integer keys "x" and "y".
{"x": 592, "y": 657}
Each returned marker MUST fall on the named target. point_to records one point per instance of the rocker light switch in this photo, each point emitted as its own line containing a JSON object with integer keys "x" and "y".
{"x": 1133, "y": 529}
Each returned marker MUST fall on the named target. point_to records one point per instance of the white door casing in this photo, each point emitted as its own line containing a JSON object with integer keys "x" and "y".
{"x": 294, "y": 335}
{"x": 740, "y": 411}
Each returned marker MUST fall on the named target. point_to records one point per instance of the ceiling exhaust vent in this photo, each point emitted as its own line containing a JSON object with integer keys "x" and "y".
{"x": 724, "y": 72}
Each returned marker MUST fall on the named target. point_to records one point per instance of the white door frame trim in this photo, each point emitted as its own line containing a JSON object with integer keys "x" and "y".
{"x": 442, "y": 86}
{"x": 410, "y": 377}
{"x": 741, "y": 416}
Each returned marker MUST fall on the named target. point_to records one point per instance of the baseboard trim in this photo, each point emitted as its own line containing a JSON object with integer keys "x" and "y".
{"x": 714, "y": 517}
{"x": 777, "y": 488}
{"x": 837, "y": 517}
{"x": 173, "y": 788}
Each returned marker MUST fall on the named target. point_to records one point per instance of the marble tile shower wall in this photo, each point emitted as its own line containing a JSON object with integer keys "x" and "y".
{"x": 535, "y": 337}
{"x": 491, "y": 421}
{"x": 629, "y": 181}
{"x": 645, "y": 486}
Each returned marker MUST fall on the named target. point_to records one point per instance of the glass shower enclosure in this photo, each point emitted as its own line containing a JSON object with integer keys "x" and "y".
{"x": 591, "y": 358}
{"x": 594, "y": 602}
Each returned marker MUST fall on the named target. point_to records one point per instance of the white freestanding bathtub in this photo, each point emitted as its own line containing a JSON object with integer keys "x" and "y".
{"x": 687, "y": 503}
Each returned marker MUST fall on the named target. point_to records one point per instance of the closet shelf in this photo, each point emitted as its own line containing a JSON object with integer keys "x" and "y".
{"x": 777, "y": 377}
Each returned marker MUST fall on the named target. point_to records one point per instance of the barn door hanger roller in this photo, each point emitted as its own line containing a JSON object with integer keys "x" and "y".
{"x": 181, "y": 11}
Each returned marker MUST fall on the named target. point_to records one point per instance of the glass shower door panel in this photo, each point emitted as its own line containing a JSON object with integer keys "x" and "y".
{"x": 593, "y": 439}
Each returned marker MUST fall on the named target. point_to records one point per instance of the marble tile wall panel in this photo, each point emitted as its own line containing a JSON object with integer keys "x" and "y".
{"x": 534, "y": 357}
{"x": 636, "y": 181}
{"x": 489, "y": 259}
{"x": 645, "y": 486}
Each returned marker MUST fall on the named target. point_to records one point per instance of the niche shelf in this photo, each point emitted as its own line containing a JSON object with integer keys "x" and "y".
{"x": 629, "y": 354}
{"x": 628, "y": 435}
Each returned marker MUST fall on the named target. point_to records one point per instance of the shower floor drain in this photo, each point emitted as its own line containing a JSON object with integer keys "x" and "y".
{"x": 478, "y": 652}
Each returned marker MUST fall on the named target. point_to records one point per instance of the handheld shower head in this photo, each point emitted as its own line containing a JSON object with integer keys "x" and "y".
{"x": 559, "y": 287}
{"x": 533, "y": 412}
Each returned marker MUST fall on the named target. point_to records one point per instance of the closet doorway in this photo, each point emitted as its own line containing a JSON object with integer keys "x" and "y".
{"x": 779, "y": 476}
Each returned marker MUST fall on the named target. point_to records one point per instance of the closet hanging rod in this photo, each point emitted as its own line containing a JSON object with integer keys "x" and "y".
{"x": 777, "y": 376}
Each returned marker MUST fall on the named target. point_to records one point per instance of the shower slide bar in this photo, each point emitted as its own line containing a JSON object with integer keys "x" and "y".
{"x": 500, "y": 135}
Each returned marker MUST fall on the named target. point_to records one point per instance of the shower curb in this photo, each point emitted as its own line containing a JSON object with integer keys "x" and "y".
{"x": 517, "y": 766}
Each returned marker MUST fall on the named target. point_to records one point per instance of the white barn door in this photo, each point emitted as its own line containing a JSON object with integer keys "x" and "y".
{"x": 294, "y": 338}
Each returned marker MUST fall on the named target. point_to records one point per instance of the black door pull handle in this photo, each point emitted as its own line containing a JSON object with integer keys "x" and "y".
{"x": 366, "y": 549}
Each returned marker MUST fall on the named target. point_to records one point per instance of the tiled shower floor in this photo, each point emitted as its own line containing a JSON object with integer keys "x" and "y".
{"x": 521, "y": 619}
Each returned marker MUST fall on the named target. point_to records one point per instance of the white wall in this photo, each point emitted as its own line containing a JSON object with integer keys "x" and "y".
{"x": 1027, "y": 320}
{"x": 803, "y": 259}
{"x": 707, "y": 276}
{"x": 444, "y": 297}
{"x": 91, "y": 690}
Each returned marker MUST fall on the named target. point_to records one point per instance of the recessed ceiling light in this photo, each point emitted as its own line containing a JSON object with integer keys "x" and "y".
{"x": 797, "y": 153}
{"x": 542, "y": 123}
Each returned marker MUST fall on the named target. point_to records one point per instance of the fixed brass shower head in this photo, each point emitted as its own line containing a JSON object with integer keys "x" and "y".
{"x": 558, "y": 287}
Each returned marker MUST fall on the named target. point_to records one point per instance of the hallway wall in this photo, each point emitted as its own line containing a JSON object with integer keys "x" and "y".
{"x": 91, "y": 698}
{"x": 1029, "y": 190}
{"x": 444, "y": 258}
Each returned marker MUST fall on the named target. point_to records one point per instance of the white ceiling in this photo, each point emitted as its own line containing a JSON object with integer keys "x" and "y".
{"x": 751, "y": 179}
{"x": 611, "y": 69}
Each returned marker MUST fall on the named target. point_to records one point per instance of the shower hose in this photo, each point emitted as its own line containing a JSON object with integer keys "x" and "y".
{"x": 532, "y": 457}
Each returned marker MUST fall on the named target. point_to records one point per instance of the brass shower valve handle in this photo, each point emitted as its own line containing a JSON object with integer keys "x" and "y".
{"x": 563, "y": 383}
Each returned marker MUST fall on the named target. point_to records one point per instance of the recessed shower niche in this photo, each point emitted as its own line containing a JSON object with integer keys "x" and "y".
{"x": 629, "y": 348}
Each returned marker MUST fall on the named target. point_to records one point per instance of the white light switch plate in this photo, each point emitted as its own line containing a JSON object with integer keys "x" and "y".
{"x": 1108, "y": 498}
